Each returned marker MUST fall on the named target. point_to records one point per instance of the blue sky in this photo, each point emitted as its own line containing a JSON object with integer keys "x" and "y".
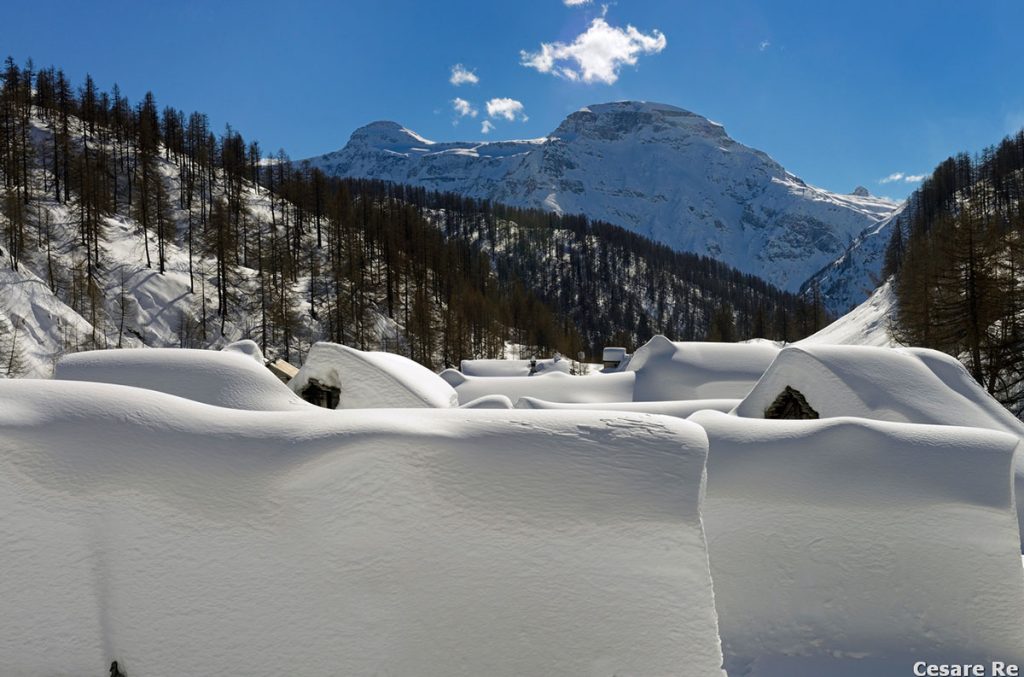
{"x": 840, "y": 93}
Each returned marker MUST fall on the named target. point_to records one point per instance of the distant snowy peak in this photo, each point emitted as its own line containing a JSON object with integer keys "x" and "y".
{"x": 387, "y": 135}
{"x": 658, "y": 170}
{"x": 608, "y": 121}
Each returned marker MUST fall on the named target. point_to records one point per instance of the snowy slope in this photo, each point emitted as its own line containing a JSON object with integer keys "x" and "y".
{"x": 655, "y": 169}
{"x": 866, "y": 325}
{"x": 184, "y": 539}
{"x": 41, "y": 324}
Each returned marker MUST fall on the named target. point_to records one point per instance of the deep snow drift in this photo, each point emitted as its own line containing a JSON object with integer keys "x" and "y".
{"x": 854, "y": 547}
{"x": 168, "y": 534}
{"x": 913, "y": 385}
{"x": 513, "y": 367}
{"x": 693, "y": 370}
{"x": 369, "y": 379}
{"x": 489, "y": 402}
{"x": 180, "y": 538}
{"x": 659, "y": 371}
{"x": 678, "y": 408}
{"x": 234, "y": 377}
{"x": 555, "y": 386}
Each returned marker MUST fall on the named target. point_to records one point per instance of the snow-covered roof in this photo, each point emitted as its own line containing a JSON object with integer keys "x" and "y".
{"x": 691, "y": 370}
{"x": 234, "y": 377}
{"x": 484, "y": 367}
{"x": 555, "y": 386}
{"x": 370, "y": 379}
{"x": 912, "y": 385}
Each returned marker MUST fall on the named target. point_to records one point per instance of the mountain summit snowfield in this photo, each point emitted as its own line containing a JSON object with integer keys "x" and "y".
{"x": 658, "y": 170}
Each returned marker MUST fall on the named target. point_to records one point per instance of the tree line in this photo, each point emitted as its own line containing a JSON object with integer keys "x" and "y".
{"x": 957, "y": 258}
{"x": 613, "y": 285}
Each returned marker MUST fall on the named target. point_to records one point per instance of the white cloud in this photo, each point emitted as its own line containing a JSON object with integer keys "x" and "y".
{"x": 486, "y": 127}
{"x": 595, "y": 55}
{"x": 463, "y": 108}
{"x": 765, "y": 44}
{"x": 575, "y": 3}
{"x": 510, "y": 109}
{"x": 896, "y": 177}
{"x": 462, "y": 76}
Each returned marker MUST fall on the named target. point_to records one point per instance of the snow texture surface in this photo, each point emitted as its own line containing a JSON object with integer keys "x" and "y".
{"x": 512, "y": 367}
{"x": 667, "y": 370}
{"x": 911, "y": 385}
{"x": 234, "y": 377}
{"x": 866, "y": 325}
{"x": 180, "y": 538}
{"x": 853, "y": 547}
{"x": 40, "y": 320}
{"x": 372, "y": 380}
{"x": 554, "y": 386}
{"x": 678, "y": 408}
{"x": 488, "y": 402}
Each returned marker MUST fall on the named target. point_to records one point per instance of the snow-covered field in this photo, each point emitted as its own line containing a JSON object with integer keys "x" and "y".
{"x": 184, "y": 512}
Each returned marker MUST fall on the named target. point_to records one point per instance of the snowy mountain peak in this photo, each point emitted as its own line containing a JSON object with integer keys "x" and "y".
{"x": 624, "y": 118}
{"x": 661, "y": 171}
{"x": 388, "y": 135}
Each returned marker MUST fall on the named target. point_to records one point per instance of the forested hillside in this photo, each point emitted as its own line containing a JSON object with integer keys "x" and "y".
{"x": 605, "y": 283}
{"x": 957, "y": 254}
{"x": 129, "y": 224}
